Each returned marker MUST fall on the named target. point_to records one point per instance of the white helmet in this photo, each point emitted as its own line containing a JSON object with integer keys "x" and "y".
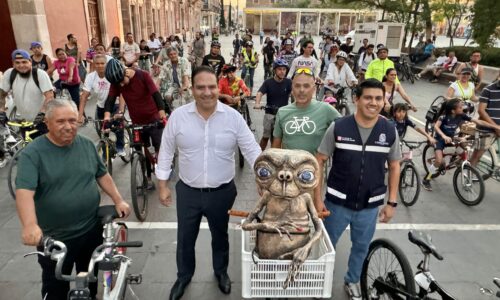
{"x": 342, "y": 54}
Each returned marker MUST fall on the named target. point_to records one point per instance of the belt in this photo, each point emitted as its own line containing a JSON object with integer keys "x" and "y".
{"x": 209, "y": 189}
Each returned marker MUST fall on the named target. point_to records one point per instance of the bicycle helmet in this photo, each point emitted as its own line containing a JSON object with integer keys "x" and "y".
{"x": 342, "y": 54}
{"x": 330, "y": 100}
{"x": 288, "y": 42}
{"x": 215, "y": 44}
{"x": 115, "y": 71}
{"x": 280, "y": 63}
{"x": 249, "y": 44}
{"x": 382, "y": 47}
{"x": 228, "y": 68}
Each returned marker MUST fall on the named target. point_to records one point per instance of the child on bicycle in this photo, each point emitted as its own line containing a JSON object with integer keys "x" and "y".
{"x": 402, "y": 122}
{"x": 451, "y": 117}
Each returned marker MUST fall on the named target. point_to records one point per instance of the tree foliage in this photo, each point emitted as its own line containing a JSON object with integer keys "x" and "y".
{"x": 485, "y": 22}
{"x": 453, "y": 11}
{"x": 222, "y": 19}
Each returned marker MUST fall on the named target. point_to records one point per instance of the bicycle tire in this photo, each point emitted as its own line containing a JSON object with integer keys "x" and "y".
{"x": 11, "y": 177}
{"x": 138, "y": 187}
{"x": 247, "y": 113}
{"x": 97, "y": 125}
{"x": 409, "y": 73}
{"x": 390, "y": 276}
{"x": 486, "y": 164}
{"x": 104, "y": 151}
{"x": 409, "y": 170}
{"x": 128, "y": 150}
{"x": 428, "y": 157}
{"x": 476, "y": 178}
{"x": 241, "y": 159}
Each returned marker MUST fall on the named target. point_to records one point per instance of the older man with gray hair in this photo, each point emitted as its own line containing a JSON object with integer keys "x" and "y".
{"x": 57, "y": 195}
{"x": 175, "y": 76}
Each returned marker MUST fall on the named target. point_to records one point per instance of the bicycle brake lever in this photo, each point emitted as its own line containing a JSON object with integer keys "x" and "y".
{"x": 34, "y": 253}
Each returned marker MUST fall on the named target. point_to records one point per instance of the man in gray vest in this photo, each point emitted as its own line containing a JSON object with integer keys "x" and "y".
{"x": 359, "y": 145}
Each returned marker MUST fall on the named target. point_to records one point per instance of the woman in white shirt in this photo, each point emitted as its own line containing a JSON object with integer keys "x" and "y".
{"x": 463, "y": 88}
{"x": 339, "y": 73}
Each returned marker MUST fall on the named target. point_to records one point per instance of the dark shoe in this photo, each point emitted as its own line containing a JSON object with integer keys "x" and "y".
{"x": 178, "y": 289}
{"x": 427, "y": 185}
{"x": 224, "y": 283}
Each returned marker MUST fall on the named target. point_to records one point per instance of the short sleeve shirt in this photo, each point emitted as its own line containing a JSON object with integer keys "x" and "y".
{"x": 138, "y": 95}
{"x": 303, "y": 128}
{"x": 491, "y": 96}
{"x": 277, "y": 93}
{"x": 327, "y": 146}
{"x": 97, "y": 87}
{"x": 129, "y": 51}
{"x": 450, "y": 124}
{"x": 402, "y": 126}
{"x": 64, "y": 180}
{"x": 215, "y": 62}
{"x": 28, "y": 98}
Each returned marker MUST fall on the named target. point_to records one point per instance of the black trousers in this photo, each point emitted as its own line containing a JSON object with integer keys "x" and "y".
{"x": 79, "y": 252}
{"x": 192, "y": 205}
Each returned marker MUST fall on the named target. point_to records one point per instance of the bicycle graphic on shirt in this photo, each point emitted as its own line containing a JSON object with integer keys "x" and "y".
{"x": 298, "y": 125}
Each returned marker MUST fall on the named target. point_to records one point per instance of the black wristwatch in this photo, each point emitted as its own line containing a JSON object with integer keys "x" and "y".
{"x": 393, "y": 204}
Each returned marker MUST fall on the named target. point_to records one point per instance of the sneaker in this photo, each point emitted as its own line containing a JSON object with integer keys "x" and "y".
{"x": 151, "y": 184}
{"x": 434, "y": 80}
{"x": 418, "y": 76}
{"x": 3, "y": 162}
{"x": 353, "y": 290}
{"x": 121, "y": 152}
{"x": 427, "y": 185}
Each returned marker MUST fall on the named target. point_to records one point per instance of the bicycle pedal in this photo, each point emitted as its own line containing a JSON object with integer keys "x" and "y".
{"x": 134, "y": 278}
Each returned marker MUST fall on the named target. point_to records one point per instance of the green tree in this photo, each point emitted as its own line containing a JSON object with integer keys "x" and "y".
{"x": 453, "y": 11}
{"x": 485, "y": 22}
{"x": 229, "y": 19}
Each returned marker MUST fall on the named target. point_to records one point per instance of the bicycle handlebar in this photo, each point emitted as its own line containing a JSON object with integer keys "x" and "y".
{"x": 413, "y": 144}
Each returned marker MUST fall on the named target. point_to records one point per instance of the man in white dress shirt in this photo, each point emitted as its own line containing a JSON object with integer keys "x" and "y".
{"x": 205, "y": 133}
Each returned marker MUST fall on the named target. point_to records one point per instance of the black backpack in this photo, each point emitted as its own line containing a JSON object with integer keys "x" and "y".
{"x": 34, "y": 74}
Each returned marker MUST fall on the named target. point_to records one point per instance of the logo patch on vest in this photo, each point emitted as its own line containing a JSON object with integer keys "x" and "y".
{"x": 345, "y": 139}
{"x": 382, "y": 140}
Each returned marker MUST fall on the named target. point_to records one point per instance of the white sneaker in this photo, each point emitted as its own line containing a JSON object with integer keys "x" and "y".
{"x": 3, "y": 162}
{"x": 121, "y": 152}
{"x": 353, "y": 290}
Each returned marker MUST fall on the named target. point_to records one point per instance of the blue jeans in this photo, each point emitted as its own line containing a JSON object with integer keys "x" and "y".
{"x": 362, "y": 224}
{"x": 251, "y": 72}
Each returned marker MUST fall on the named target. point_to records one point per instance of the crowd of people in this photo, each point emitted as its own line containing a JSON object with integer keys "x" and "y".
{"x": 148, "y": 77}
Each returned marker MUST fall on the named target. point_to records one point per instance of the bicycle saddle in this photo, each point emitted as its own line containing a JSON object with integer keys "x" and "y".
{"x": 107, "y": 213}
{"x": 424, "y": 241}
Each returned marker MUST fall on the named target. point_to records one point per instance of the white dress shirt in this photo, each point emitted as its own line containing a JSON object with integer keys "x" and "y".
{"x": 206, "y": 147}
{"x": 341, "y": 77}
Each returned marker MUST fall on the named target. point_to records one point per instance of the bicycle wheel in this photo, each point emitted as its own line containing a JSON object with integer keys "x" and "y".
{"x": 468, "y": 185}
{"x": 11, "y": 177}
{"x": 486, "y": 164}
{"x": 104, "y": 151}
{"x": 408, "y": 72}
{"x": 247, "y": 113}
{"x": 428, "y": 157}
{"x": 126, "y": 147}
{"x": 138, "y": 186}
{"x": 409, "y": 185}
{"x": 386, "y": 263}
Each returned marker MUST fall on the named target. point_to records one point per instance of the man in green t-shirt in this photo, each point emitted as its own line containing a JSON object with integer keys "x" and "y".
{"x": 57, "y": 195}
{"x": 302, "y": 124}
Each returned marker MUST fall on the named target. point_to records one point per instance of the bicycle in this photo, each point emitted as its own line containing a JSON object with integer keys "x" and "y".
{"x": 235, "y": 61}
{"x": 245, "y": 113}
{"x": 143, "y": 163}
{"x": 106, "y": 147}
{"x": 387, "y": 274}
{"x": 342, "y": 105}
{"x": 468, "y": 183}
{"x": 488, "y": 292}
{"x": 404, "y": 68}
{"x": 110, "y": 258}
{"x": 23, "y": 138}
{"x": 409, "y": 179}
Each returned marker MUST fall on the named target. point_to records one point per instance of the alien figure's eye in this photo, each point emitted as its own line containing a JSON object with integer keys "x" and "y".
{"x": 263, "y": 172}
{"x": 306, "y": 176}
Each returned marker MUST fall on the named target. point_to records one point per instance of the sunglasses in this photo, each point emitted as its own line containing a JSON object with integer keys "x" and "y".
{"x": 303, "y": 71}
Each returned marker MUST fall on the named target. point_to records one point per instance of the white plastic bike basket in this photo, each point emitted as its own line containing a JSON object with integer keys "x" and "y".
{"x": 264, "y": 277}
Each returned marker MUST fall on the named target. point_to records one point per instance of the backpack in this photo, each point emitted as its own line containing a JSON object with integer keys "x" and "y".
{"x": 34, "y": 74}
{"x": 433, "y": 112}
{"x": 364, "y": 56}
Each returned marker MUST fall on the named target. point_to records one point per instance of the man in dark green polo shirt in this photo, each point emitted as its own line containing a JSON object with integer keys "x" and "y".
{"x": 57, "y": 195}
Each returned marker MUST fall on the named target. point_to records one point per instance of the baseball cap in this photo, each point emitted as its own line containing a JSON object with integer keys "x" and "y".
{"x": 20, "y": 54}
{"x": 381, "y": 47}
{"x": 466, "y": 71}
{"x": 35, "y": 44}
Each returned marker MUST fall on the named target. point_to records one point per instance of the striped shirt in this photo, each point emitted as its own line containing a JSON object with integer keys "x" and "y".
{"x": 491, "y": 96}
